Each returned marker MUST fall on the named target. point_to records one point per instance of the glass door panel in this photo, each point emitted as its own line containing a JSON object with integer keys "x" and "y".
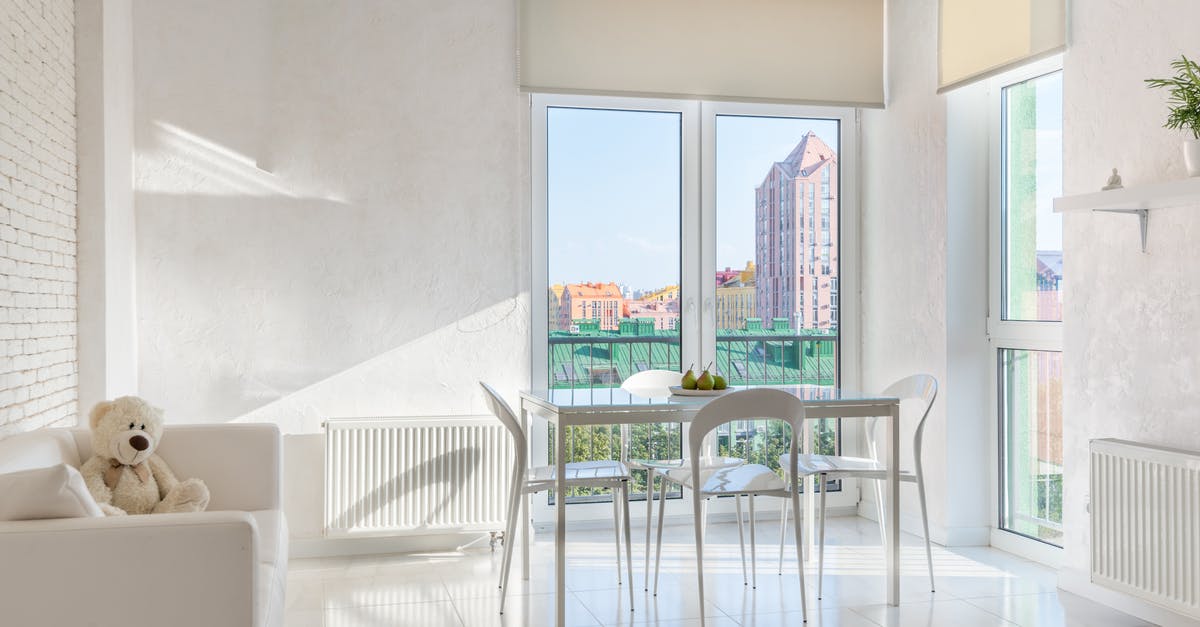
{"x": 1031, "y": 444}
{"x": 1032, "y": 262}
{"x": 777, "y": 252}
{"x": 614, "y": 206}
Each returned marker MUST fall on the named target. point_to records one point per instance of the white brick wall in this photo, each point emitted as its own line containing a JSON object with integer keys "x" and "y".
{"x": 38, "y": 367}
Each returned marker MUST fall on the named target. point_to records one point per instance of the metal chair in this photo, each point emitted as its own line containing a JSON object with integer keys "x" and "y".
{"x": 613, "y": 475}
{"x": 746, "y": 480}
{"x": 921, "y": 387}
{"x": 657, "y": 384}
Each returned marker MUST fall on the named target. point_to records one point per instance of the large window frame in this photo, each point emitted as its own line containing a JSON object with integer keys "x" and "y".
{"x": 1030, "y": 335}
{"x": 697, "y": 252}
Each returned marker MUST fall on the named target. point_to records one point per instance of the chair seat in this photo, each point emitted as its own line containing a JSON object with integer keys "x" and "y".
{"x": 864, "y": 467}
{"x": 741, "y": 479}
{"x": 602, "y": 472}
{"x": 680, "y": 470}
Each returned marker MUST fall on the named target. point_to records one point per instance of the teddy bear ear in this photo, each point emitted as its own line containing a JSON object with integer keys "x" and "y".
{"x": 98, "y": 412}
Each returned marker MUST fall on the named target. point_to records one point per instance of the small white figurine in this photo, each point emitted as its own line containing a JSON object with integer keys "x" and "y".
{"x": 1114, "y": 182}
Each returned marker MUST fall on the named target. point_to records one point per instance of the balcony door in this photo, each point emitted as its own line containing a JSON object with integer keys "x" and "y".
{"x": 672, "y": 233}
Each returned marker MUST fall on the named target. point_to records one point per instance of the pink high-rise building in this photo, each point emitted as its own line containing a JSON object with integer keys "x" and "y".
{"x": 796, "y": 238}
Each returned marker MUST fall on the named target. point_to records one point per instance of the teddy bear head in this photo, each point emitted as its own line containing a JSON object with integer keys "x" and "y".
{"x": 127, "y": 429}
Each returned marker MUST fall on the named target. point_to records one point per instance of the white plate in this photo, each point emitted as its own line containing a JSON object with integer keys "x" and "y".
{"x": 679, "y": 391}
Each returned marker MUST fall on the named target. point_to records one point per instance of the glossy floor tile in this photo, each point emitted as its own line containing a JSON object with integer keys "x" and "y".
{"x": 975, "y": 586}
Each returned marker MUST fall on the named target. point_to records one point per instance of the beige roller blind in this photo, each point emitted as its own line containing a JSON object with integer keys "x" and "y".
{"x": 979, "y": 38}
{"x": 826, "y": 51}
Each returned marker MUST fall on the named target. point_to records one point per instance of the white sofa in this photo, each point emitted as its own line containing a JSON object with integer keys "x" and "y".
{"x": 226, "y": 566}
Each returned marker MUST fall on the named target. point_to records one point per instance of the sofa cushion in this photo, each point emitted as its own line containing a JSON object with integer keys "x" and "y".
{"x": 38, "y": 449}
{"x": 53, "y": 492}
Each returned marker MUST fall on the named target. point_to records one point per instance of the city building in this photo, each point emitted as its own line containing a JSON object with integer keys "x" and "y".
{"x": 735, "y": 297}
{"x": 664, "y": 314}
{"x": 796, "y": 237}
{"x": 601, "y": 302}
{"x": 553, "y": 300}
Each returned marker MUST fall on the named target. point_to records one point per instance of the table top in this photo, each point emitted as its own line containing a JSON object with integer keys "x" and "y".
{"x": 612, "y": 402}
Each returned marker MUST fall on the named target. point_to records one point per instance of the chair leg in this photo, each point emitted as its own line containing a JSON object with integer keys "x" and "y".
{"x": 800, "y": 557}
{"x": 703, "y": 518}
{"x": 662, "y": 503}
{"x": 649, "y": 519}
{"x": 617, "y": 530}
{"x": 753, "y": 560}
{"x": 526, "y": 533}
{"x": 925, "y": 523}
{"x": 737, "y": 498}
{"x": 879, "y": 490}
{"x": 783, "y": 517}
{"x": 514, "y": 515}
{"x": 821, "y": 541}
{"x": 510, "y": 530}
{"x": 628, "y": 541}
{"x": 698, "y": 525}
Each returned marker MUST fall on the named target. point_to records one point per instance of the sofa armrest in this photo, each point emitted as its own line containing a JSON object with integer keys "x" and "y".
{"x": 242, "y": 464}
{"x": 169, "y": 569}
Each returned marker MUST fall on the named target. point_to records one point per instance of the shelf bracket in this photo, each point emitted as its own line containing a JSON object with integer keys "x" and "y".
{"x": 1143, "y": 220}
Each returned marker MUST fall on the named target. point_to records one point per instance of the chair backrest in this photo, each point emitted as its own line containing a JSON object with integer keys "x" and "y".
{"x": 652, "y": 383}
{"x": 756, "y": 403}
{"x": 500, "y": 409}
{"x": 923, "y": 387}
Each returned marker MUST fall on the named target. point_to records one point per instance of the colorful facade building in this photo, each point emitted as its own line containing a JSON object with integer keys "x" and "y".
{"x": 735, "y": 297}
{"x": 796, "y": 237}
{"x": 554, "y": 301}
{"x": 664, "y": 314}
{"x": 600, "y": 302}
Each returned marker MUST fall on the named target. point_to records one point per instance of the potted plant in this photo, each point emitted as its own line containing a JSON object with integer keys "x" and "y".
{"x": 1184, "y": 100}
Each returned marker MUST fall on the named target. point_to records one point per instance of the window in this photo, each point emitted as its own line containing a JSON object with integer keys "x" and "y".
{"x": 1024, "y": 325}
{"x": 617, "y": 201}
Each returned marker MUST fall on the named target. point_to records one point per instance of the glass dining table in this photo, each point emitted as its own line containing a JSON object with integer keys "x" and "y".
{"x": 606, "y": 406}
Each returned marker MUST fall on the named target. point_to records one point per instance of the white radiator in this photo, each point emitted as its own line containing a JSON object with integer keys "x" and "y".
{"x": 389, "y": 476}
{"x": 1145, "y": 506}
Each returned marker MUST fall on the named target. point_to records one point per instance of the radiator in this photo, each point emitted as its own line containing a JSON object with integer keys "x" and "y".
{"x": 391, "y": 476}
{"x": 1145, "y": 508}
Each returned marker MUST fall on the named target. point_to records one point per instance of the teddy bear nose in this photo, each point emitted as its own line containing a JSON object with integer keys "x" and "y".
{"x": 139, "y": 442}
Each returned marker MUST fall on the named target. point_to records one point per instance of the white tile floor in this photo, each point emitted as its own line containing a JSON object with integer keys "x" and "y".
{"x": 976, "y": 587}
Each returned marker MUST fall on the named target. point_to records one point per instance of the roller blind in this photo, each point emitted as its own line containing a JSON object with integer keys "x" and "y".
{"x": 979, "y": 38}
{"x": 819, "y": 51}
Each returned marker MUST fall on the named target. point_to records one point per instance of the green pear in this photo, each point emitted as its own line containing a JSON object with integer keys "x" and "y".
{"x": 719, "y": 382}
{"x": 689, "y": 379}
{"x": 705, "y": 382}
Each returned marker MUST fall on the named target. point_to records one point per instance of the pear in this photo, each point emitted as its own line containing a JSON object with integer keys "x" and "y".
{"x": 689, "y": 379}
{"x": 706, "y": 380}
{"x": 719, "y": 382}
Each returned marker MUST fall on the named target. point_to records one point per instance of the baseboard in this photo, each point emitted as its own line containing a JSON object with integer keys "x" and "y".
{"x": 945, "y": 536}
{"x": 1080, "y": 583}
{"x": 303, "y": 548}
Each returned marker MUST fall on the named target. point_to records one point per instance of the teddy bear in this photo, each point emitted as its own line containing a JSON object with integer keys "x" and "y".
{"x": 124, "y": 475}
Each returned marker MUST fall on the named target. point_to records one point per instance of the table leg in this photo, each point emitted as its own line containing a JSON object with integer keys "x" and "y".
{"x": 560, "y": 526}
{"x": 893, "y": 507}
{"x": 649, "y": 519}
{"x": 526, "y": 521}
{"x": 810, "y": 520}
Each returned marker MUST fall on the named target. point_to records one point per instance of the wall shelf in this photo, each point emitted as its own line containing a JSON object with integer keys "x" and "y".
{"x": 1137, "y": 200}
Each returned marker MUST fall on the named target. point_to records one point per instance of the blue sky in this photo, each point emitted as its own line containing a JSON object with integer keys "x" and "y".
{"x": 613, "y": 190}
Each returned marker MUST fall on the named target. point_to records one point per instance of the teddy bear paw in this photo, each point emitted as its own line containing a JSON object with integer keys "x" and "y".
{"x": 189, "y": 496}
{"x": 110, "y": 510}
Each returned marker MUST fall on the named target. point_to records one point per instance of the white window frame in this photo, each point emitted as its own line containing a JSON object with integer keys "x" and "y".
{"x": 697, "y": 251}
{"x": 1010, "y": 334}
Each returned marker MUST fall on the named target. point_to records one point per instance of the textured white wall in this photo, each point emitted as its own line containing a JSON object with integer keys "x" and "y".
{"x": 904, "y": 233}
{"x": 329, "y": 208}
{"x": 38, "y": 367}
{"x": 1131, "y": 320}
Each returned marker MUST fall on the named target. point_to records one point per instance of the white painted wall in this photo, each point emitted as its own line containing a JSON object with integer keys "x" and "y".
{"x": 1131, "y": 330}
{"x": 107, "y": 294}
{"x": 330, "y": 218}
{"x": 38, "y": 304}
{"x": 909, "y": 312}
